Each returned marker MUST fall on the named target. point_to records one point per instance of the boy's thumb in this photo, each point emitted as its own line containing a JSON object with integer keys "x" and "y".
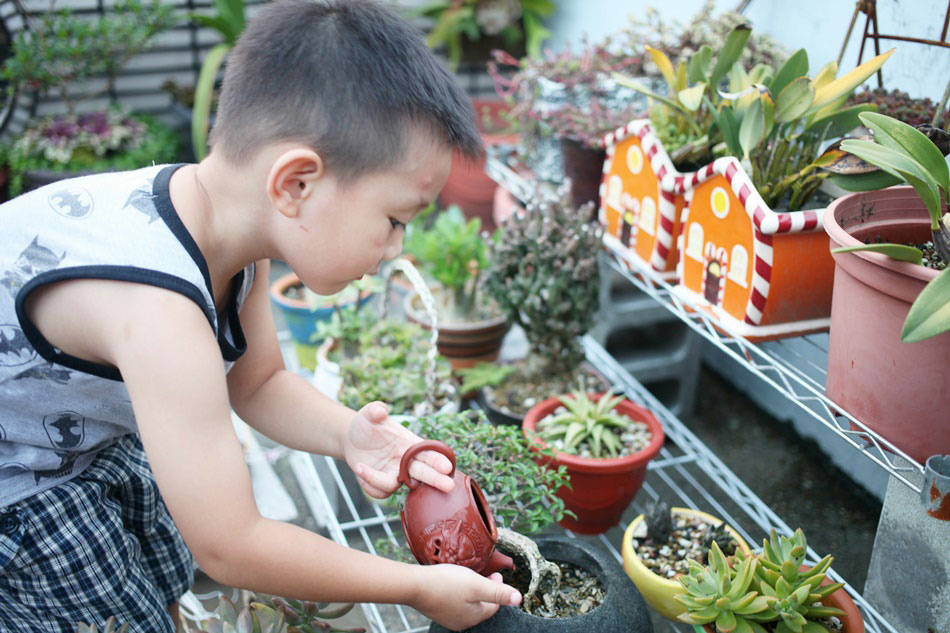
{"x": 375, "y": 412}
{"x": 500, "y": 593}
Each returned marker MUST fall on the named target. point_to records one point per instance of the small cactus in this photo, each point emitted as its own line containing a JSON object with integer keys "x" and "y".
{"x": 659, "y": 521}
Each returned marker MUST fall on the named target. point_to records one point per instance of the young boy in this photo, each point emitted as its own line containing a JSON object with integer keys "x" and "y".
{"x": 133, "y": 314}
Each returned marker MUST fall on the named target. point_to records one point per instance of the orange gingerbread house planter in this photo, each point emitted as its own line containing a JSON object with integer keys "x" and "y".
{"x": 764, "y": 274}
{"x": 641, "y": 198}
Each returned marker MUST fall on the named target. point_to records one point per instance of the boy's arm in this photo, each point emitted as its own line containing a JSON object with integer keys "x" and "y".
{"x": 286, "y": 408}
{"x": 170, "y": 361}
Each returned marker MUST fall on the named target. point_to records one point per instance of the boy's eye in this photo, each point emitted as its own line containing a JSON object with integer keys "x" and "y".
{"x": 396, "y": 223}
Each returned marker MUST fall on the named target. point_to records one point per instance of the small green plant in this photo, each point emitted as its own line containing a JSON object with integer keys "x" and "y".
{"x": 61, "y": 50}
{"x": 901, "y": 106}
{"x": 589, "y": 423}
{"x": 270, "y": 614}
{"x": 347, "y": 325}
{"x": 483, "y": 375}
{"x": 739, "y": 594}
{"x": 228, "y": 20}
{"x": 544, "y": 275}
{"x": 903, "y": 154}
{"x": 454, "y": 253}
{"x": 519, "y": 490}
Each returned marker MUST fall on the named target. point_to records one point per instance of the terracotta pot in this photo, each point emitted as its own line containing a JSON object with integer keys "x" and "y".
{"x": 468, "y": 185}
{"x": 901, "y": 390}
{"x": 584, "y": 166}
{"x": 657, "y": 590}
{"x": 449, "y": 527}
{"x": 851, "y": 621}
{"x": 622, "y": 611}
{"x": 464, "y": 344}
{"x": 601, "y": 489}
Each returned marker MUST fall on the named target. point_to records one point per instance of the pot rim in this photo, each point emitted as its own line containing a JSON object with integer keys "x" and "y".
{"x": 634, "y": 559}
{"x": 839, "y": 236}
{"x": 413, "y": 314}
{"x": 283, "y": 282}
{"x": 603, "y": 464}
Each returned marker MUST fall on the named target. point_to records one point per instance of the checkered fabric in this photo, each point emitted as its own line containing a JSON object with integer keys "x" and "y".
{"x": 98, "y": 545}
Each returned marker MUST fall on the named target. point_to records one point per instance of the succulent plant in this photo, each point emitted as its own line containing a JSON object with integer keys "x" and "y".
{"x": 659, "y": 521}
{"x": 544, "y": 275}
{"x": 718, "y": 593}
{"x": 594, "y": 423}
{"x": 267, "y": 614}
{"x": 111, "y": 626}
{"x": 721, "y": 536}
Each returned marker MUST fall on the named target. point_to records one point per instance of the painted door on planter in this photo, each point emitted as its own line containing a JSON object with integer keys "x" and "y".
{"x": 637, "y": 203}
{"x": 765, "y": 274}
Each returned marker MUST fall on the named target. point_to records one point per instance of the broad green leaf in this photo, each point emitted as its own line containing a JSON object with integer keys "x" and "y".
{"x": 535, "y": 32}
{"x": 727, "y": 124}
{"x": 752, "y": 128}
{"x": 204, "y": 88}
{"x": 729, "y": 53}
{"x": 930, "y": 313}
{"x": 894, "y": 251}
{"x": 681, "y": 82}
{"x": 761, "y": 74}
{"x": 895, "y": 162}
{"x": 692, "y": 97}
{"x": 630, "y": 83}
{"x": 794, "y": 67}
{"x": 826, "y": 74}
{"x": 865, "y": 182}
{"x": 738, "y": 79}
{"x": 844, "y": 85}
{"x": 902, "y": 137}
{"x": 794, "y": 100}
{"x": 664, "y": 65}
{"x": 698, "y": 67}
{"x": 841, "y": 122}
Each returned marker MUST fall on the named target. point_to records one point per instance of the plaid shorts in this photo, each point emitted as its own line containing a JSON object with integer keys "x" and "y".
{"x": 98, "y": 545}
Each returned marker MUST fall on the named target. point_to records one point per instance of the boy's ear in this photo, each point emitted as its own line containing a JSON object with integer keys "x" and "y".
{"x": 292, "y": 178}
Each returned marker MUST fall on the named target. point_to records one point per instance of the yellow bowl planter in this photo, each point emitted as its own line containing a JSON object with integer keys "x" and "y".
{"x": 656, "y": 590}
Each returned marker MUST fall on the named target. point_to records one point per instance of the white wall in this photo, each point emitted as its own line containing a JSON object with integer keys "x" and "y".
{"x": 818, "y": 26}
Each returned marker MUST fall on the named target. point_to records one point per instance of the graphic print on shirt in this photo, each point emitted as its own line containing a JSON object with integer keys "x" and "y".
{"x": 34, "y": 259}
{"x": 143, "y": 201}
{"x": 49, "y": 371}
{"x": 66, "y": 462}
{"x": 65, "y": 429}
{"x": 72, "y": 202}
{"x": 15, "y": 349}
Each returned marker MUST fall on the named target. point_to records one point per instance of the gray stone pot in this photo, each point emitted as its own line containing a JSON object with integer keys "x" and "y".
{"x": 623, "y": 609}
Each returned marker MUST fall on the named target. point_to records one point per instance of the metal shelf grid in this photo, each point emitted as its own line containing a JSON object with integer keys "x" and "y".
{"x": 795, "y": 367}
{"x": 686, "y": 473}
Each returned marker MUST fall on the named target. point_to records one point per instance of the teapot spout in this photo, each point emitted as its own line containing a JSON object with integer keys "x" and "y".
{"x": 497, "y": 562}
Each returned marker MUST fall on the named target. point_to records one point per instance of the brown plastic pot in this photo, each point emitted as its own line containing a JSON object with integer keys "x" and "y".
{"x": 601, "y": 489}
{"x": 464, "y": 344}
{"x": 900, "y": 390}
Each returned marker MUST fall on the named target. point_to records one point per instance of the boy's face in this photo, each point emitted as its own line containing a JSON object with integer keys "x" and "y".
{"x": 348, "y": 230}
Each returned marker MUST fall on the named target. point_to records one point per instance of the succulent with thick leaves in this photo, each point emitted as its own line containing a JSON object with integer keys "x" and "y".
{"x": 721, "y": 594}
{"x": 111, "y": 626}
{"x": 265, "y": 614}
{"x": 594, "y": 423}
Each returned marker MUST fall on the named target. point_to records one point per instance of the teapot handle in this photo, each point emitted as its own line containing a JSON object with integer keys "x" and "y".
{"x": 412, "y": 451}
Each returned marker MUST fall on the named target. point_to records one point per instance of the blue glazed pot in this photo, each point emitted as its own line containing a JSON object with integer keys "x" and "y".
{"x": 300, "y": 318}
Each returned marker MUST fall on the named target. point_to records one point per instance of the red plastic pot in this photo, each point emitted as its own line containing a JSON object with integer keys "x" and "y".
{"x": 601, "y": 489}
{"x": 900, "y": 390}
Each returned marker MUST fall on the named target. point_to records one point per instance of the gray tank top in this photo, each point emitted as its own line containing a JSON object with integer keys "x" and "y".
{"x": 57, "y": 411}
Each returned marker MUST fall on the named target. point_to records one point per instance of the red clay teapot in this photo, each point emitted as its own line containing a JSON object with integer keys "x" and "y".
{"x": 449, "y": 527}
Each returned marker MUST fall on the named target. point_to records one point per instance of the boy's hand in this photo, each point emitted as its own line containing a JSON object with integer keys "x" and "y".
{"x": 373, "y": 445}
{"x": 458, "y": 598}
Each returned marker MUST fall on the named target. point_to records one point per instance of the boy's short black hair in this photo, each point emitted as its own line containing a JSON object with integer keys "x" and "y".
{"x": 349, "y": 78}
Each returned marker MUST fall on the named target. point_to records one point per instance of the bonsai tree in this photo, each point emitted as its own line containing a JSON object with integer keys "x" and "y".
{"x": 544, "y": 275}
{"x": 58, "y": 54}
{"x": 903, "y": 154}
{"x": 741, "y": 594}
{"x": 454, "y": 253}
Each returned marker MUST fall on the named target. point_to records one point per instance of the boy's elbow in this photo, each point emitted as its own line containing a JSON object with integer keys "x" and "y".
{"x": 223, "y": 559}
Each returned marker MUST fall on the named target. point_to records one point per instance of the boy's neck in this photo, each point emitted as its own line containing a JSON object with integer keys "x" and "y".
{"x": 224, "y": 209}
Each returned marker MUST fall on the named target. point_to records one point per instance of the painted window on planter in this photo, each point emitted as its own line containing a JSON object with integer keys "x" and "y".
{"x": 719, "y": 202}
{"x": 648, "y": 216}
{"x": 614, "y": 192}
{"x": 694, "y": 241}
{"x": 739, "y": 265}
{"x": 635, "y": 159}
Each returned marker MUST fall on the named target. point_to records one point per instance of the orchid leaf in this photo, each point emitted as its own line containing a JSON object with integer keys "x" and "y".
{"x": 726, "y": 121}
{"x": 843, "y": 86}
{"x": 794, "y": 67}
{"x": 698, "y": 68}
{"x": 752, "y": 128}
{"x": 681, "y": 80}
{"x": 899, "y": 136}
{"x": 761, "y": 74}
{"x": 664, "y": 65}
{"x": 794, "y": 100}
{"x": 826, "y": 74}
{"x": 634, "y": 85}
{"x": 894, "y": 251}
{"x": 865, "y": 182}
{"x": 930, "y": 313}
{"x": 895, "y": 162}
{"x": 692, "y": 97}
{"x": 840, "y": 122}
{"x": 729, "y": 53}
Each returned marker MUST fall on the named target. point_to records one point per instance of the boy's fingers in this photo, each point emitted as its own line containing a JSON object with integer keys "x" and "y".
{"x": 376, "y": 481}
{"x": 421, "y": 471}
{"x": 437, "y": 460}
{"x": 499, "y": 593}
